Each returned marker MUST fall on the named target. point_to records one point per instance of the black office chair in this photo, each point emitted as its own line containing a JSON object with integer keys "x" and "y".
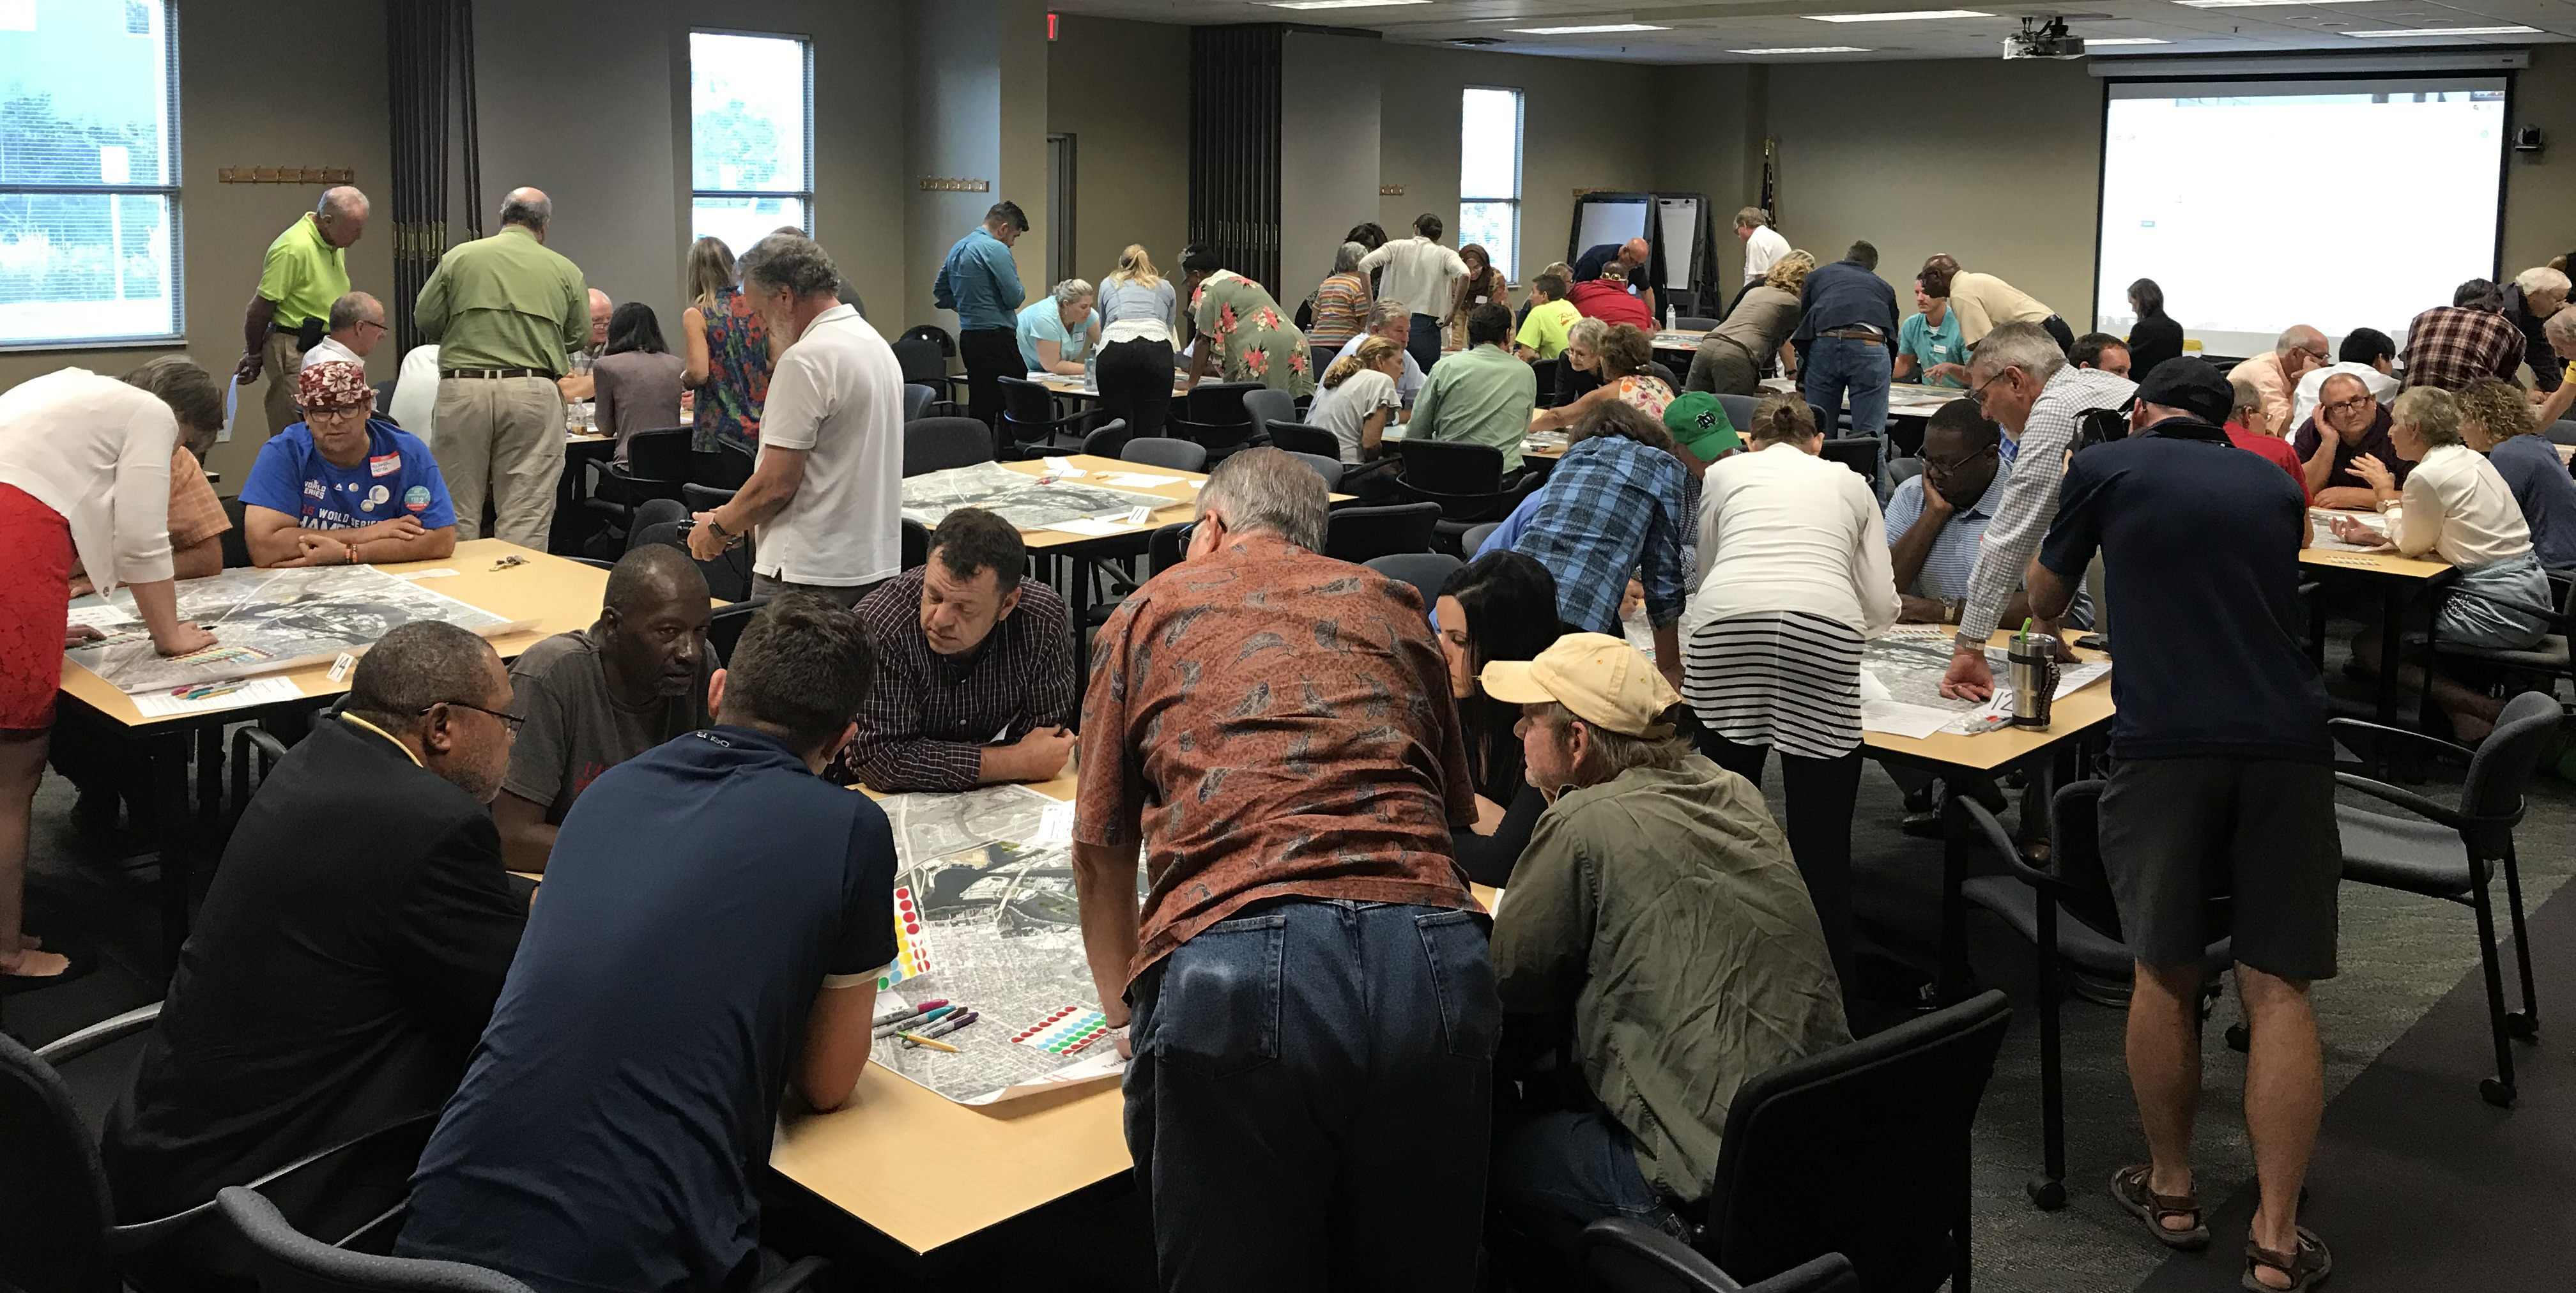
{"x": 1474, "y": 539}
{"x": 1163, "y": 451}
{"x": 725, "y": 467}
{"x": 2065, "y": 910}
{"x": 657, "y": 464}
{"x": 1426, "y": 571}
{"x": 57, "y": 1227}
{"x": 1693, "y": 323}
{"x": 286, "y": 1260}
{"x": 1106, "y": 440}
{"x": 1321, "y": 358}
{"x": 1671, "y": 382}
{"x": 2562, "y": 431}
{"x": 938, "y": 444}
{"x": 725, "y": 626}
{"x": 1858, "y": 452}
{"x": 1031, "y": 425}
{"x": 916, "y": 544}
{"x": 1216, "y": 417}
{"x": 1863, "y": 1151}
{"x": 1901, "y": 470}
{"x": 1739, "y": 410}
{"x": 1545, "y": 370}
{"x": 1464, "y": 480}
{"x": 917, "y": 399}
{"x": 1328, "y": 468}
{"x": 2453, "y": 852}
{"x": 1626, "y": 1256}
{"x": 660, "y": 511}
{"x": 1167, "y": 546}
{"x": 704, "y": 498}
{"x": 1298, "y": 437}
{"x": 2542, "y": 663}
{"x": 594, "y": 563}
{"x": 924, "y": 360}
{"x": 728, "y": 576}
{"x": 1265, "y": 406}
{"x": 1359, "y": 533}
{"x": 236, "y": 537}
{"x": 385, "y": 401}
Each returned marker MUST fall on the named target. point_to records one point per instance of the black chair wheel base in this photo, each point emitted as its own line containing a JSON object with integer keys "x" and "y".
{"x": 2238, "y": 1039}
{"x": 2499, "y": 1094}
{"x": 2520, "y": 1026}
{"x": 2046, "y": 1194}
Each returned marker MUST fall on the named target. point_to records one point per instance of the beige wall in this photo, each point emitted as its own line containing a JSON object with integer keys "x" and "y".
{"x": 2540, "y": 192}
{"x": 1122, "y": 90}
{"x": 1328, "y": 152}
{"x": 1721, "y": 155}
{"x": 974, "y": 108}
{"x": 232, "y": 115}
{"x": 1581, "y": 129}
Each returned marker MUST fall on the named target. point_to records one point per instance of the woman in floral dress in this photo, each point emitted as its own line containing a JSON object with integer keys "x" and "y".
{"x": 1243, "y": 335}
{"x": 728, "y": 352}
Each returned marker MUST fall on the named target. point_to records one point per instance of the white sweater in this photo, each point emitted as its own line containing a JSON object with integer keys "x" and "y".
{"x": 1784, "y": 530}
{"x": 97, "y": 451}
{"x": 2457, "y": 507}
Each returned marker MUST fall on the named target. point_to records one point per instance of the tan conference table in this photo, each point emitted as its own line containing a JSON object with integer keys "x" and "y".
{"x": 2397, "y": 581}
{"x": 548, "y": 593}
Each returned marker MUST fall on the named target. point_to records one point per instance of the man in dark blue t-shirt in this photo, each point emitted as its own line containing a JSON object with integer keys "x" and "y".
{"x": 712, "y": 908}
{"x": 2223, "y": 785}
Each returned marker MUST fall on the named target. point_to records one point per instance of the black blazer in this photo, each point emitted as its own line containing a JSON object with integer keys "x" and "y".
{"x": 2151, "y": 342}
{"x": 342, "y": 968}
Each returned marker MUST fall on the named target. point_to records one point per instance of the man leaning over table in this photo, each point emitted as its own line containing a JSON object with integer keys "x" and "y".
{"x": 2020, "y": 378}
{"x": 504, "y": 311}
{"x": 826, "y": 492}
{"x": 341, "y": 488}
{"x": 305, "y": 270}
{"x": 974, "y": 667}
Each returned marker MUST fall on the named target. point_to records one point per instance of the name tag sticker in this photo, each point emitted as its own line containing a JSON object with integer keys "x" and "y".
{"x": 384, "y": 465}
{"x": 340, "y": 667}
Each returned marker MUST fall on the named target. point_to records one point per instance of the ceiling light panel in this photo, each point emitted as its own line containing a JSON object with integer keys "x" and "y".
{"x": 1805, "y": 49}
{"x": 1911, "y": 15}
{"x": 1593, "y": 29}
{"x": 2400, "y": 33}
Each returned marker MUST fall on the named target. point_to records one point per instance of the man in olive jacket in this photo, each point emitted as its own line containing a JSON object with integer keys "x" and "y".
{"x": 1657, "y": 923}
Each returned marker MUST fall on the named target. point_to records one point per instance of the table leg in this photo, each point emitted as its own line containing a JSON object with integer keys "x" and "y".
{"x": 1958, "y": 836}
{"x": 210, "y": 781}
{"x": 2392, "y": 606}
{"x": 166, "y": 758}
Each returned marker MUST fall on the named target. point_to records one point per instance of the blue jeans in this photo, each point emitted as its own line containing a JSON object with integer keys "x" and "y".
{"x": 1558, "y": 1172}
{"x": 1310, "y": 1102}
{"x": 1836, "y": 364}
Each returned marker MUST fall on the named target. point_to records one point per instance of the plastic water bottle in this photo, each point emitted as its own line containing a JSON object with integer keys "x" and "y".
{"x": 1672, "y": 319}
{"x": 1091, "y": 370}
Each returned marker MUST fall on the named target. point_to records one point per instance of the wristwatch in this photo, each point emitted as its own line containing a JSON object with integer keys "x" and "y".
{"x": 1951, "y": 610}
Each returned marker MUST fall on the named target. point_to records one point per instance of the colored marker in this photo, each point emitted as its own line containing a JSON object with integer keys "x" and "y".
{"x": 910, "y": 1040}
{"x": 950, "y": 1025}
{"x": 900, "y": 1016}
{"x": 921, "y": 1019}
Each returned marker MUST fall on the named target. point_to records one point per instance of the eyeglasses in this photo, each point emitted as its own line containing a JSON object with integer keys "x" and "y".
{"x": 512, "y": 721}
{"x": 2354, "y": 405}
{"x": 1978, "y": 391}
{"x": 1938, "y": 467}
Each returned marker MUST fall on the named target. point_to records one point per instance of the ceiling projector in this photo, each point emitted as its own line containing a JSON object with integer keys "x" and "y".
{"x": 2047, "y": 40}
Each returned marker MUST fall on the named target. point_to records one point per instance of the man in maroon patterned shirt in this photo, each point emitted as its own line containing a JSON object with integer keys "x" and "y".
{"x": 1314, "y": 1009}
{"x": 2452, "y": 345}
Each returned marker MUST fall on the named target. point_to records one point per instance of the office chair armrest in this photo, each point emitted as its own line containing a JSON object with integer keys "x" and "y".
{"x": 2001, "y": 841}
{"x": 2382, "y": 730}
{"x": 106, "y": 1032}
{"x": 135, "y": 1238}
{"x": 1681, "y": 1265}
{"x": 806, "y": 1273}
{"x": 2410, "y": 801}
{"x": 265, "y": 741}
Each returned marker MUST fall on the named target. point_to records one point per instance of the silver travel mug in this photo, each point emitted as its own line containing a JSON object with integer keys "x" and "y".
{"x": 2033, "y": 674}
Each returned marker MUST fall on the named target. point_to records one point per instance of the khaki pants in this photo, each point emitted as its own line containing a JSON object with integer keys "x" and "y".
{"x": 502, "y": 438}
{"x": 764, "y": 587}
{"x": 281, "y": 363}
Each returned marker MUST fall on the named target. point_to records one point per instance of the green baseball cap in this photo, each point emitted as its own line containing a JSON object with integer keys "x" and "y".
{"x": 1699, "y": 422}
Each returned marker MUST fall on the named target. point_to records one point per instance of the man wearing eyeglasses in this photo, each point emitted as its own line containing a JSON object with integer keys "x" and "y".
{"x": 2019, "y": 377}
{"x": 350, "y": 948}
{"x": 357, "y": 324}
{"x": 2276, "y": 375}
{"x": 2360, "y": 425}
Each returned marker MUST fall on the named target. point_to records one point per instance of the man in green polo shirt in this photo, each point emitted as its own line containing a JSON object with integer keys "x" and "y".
{"x": 1481, "y": 395}
{"x": 305, "y": 271}
{"x": 505, "y": 312}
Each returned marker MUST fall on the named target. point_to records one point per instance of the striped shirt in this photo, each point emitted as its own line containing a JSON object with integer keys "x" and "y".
{"x": 2030, "y": 500}
{"x": 1614, "y": 507}
{"x": 1789, "y": 680}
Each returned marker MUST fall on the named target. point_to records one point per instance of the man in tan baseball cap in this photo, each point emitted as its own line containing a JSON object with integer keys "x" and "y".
{"x": 1657, "y": 921}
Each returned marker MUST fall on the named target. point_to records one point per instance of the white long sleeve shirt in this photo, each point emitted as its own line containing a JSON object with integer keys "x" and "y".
{"x": 97, "y": 451}
{"x": 1784, "y": 530}
{"x": 2456, "y": 506}
{"x": 1419, "y": 273}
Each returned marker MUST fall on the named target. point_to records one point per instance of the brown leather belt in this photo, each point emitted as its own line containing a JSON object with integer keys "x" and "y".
{"x": 495, "y": 372}
{"x": 1862, "y": 335}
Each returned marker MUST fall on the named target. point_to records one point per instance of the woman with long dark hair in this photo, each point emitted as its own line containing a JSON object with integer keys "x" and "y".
{"x": 2155, "y": 337}
{"x": 637, "y": 379}
{"x": 1501, "y": 606}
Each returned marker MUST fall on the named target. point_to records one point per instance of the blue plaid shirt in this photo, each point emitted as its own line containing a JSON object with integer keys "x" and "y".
{"x": 1612, "y": 507}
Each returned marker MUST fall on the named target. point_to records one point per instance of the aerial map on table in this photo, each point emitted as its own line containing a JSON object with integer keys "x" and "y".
{"x": 1900, "y": 685}
{"x": 1029, "y": 502}
{"x": 985, "y": 919}
{"x": 264, "y": 621}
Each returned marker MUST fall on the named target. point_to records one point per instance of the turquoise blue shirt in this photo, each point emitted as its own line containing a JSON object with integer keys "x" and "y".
{"x": 1930, "y": 345}
{"x": 1040, "y": 320}
{"x": 980, "y": 282}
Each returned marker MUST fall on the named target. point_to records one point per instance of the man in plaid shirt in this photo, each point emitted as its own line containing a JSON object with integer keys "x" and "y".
{"x": 1616, "y": 505}
{"x": 2452, "y": 345}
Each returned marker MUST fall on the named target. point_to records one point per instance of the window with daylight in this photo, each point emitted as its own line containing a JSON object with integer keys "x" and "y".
{"x": 89, "y": 172}
{"x": 1489, "y": 175}
{"x": 751, "y": 136}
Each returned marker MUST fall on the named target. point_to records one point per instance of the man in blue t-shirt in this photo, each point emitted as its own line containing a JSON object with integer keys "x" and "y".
{"x": 714, "y": 918}
{"x": 2223, "y": 784}
{"x": 341, "y": 488}
{"x": 1928, "y": 348}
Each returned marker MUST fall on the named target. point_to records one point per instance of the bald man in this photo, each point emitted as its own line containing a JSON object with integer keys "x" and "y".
{"x": 506, "y": 313}
{"x": 594, "y": 698}
{"x": 2277, "y": 375}
{"x": 306, "y": 269}
{"x": 357, "y": 324}
{"x": 576, "y": 385}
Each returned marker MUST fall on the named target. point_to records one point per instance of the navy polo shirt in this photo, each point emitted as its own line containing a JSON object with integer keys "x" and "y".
{"x": 606, "y": 1133}
{"x": 2200, "y": 551}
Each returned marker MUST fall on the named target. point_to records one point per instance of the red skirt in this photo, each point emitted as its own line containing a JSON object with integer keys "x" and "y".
{"x": 35, "y": 605}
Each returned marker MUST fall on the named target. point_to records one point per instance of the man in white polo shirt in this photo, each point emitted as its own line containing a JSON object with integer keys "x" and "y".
{"x": 1763, "y": 245}
{"x": 827, "y": 492}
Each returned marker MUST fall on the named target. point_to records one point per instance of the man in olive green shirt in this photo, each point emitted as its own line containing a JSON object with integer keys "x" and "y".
{"x": 306, "y": 269}
{"x": 1657, "y": 921}
{"x": 1481, "y": 395}
{"x": 505, "y": 313}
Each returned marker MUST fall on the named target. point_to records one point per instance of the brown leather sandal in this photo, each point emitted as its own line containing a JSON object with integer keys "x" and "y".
{"x": 2307, "y": 1268}
{"x": 2129, "y": 1186}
